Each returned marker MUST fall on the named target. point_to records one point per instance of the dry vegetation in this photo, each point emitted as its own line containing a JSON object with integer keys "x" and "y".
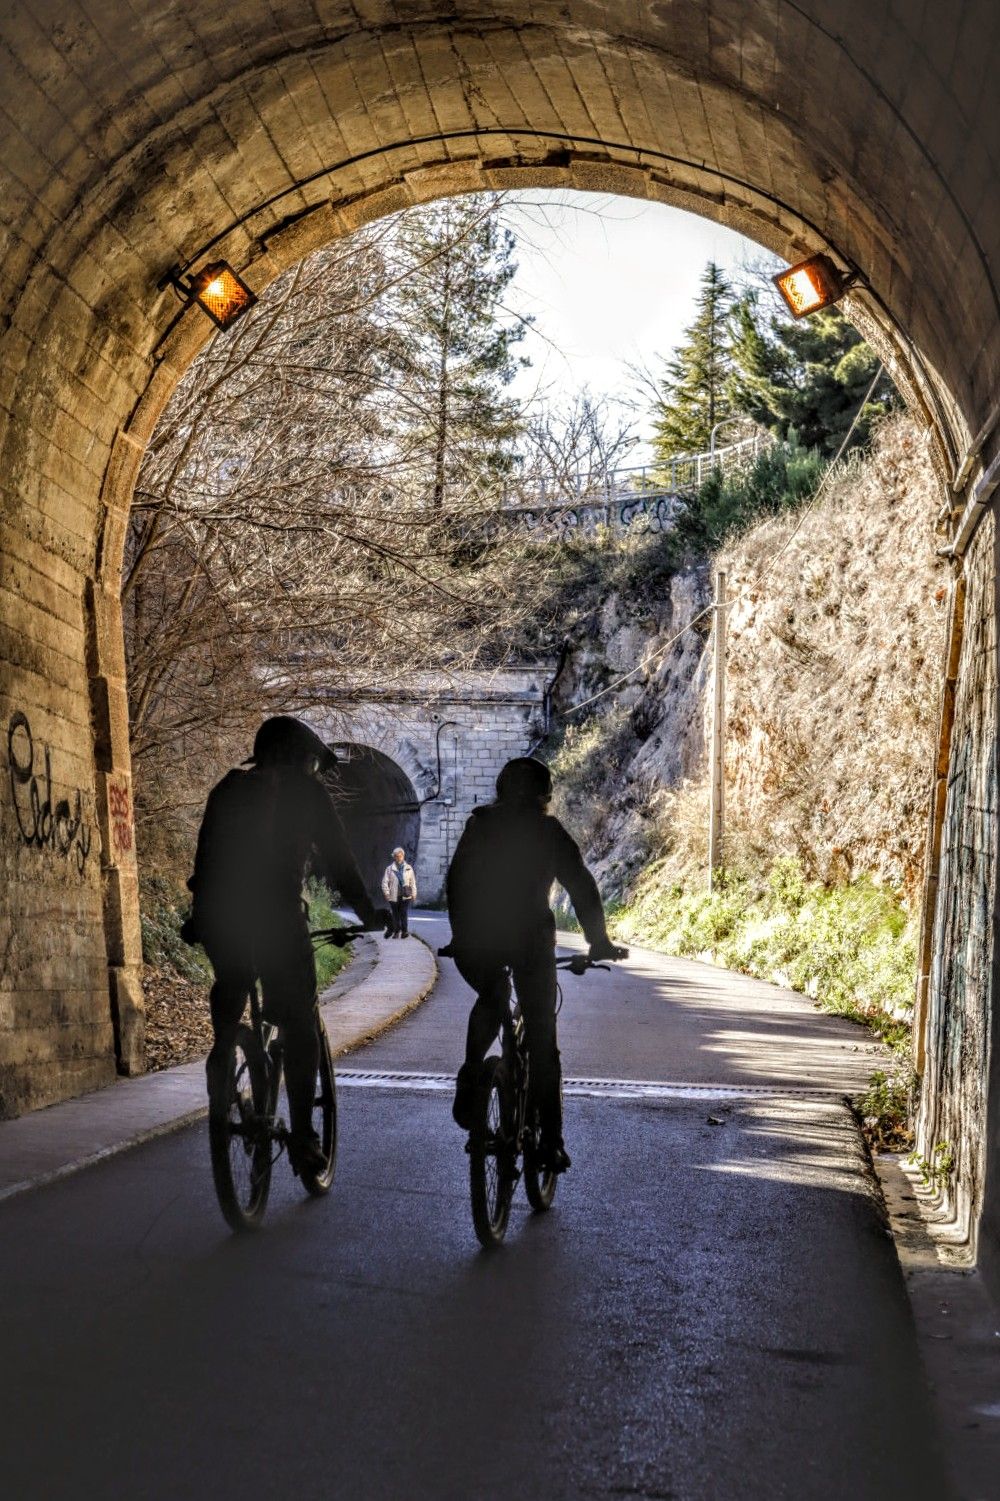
{"x": 834, "y": 648}
{"x": 285, "y": 544}
{"x": 834, "y": 645}
{"x": 834, "y": 667}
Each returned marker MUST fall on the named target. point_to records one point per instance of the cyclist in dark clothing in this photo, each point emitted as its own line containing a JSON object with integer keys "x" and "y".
{"x": 498, "y": 888}
{"x": 262, "y": 829}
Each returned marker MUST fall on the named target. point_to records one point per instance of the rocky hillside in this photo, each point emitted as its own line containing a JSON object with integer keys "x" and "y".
{"x": 835, "y": 637}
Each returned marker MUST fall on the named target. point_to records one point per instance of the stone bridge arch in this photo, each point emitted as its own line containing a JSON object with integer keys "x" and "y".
{"x": 449, "y": 737}
{"x": 137, "y": 138}
{"x": 379, "y": 808}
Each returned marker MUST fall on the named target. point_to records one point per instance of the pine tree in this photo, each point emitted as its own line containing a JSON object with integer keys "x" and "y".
{"x": 695, "y": 393}
{"x": 805, "y": 380}
{"x": 455, "y": 420}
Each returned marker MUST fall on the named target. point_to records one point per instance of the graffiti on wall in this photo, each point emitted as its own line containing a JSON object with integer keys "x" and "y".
{"x": 120, "y": 815}
{"x": 653, "y": 513}
{"x": 43, "y": 824}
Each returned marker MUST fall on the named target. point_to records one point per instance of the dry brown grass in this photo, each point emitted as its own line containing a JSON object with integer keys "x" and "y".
{"x": 835, "y": 641}
{"x": 834, "y": 664}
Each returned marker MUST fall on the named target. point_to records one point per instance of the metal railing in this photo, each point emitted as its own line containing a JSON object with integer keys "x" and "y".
{"x": 676, "y": 476}
{"x": 644, "y": 497}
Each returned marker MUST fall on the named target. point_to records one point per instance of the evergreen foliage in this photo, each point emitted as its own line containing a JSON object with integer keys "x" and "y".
{"x": 780, "y": 478}
{"x": 456, "y": 421}
{"x": 804, "y": 380}
{"x": 696, "y": 392}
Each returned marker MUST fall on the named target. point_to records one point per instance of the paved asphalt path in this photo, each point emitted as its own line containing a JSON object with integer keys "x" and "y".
{"x": 708, "y": 1311}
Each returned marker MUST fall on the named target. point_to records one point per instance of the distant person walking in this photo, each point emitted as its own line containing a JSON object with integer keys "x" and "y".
{"x": 399, "y": 887}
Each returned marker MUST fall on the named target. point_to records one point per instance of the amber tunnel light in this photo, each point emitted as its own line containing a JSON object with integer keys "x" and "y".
{"x": 811, "y": 285}
{"x": 218, "y": 291}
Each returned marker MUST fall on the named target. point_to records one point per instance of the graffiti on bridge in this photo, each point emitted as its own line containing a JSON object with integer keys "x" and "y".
{"x": 636, "y": 513}
{"x": 42, "y": 825}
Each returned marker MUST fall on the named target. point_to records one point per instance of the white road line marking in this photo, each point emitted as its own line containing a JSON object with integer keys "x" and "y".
{"x": 618, "y": 1089}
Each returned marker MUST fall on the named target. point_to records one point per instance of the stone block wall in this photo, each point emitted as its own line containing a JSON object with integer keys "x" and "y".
{"x": 55, "y": 1023}
{"x": 480, "y": 720}
{"x": 128, "y": 148}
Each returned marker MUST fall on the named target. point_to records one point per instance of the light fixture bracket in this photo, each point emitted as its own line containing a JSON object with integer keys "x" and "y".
{"x": 813, "y": 284}
{"x": 217, "y": 289}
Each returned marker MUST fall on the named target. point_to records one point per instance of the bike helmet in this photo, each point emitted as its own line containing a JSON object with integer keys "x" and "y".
{"x": 283, "y": 740}
{"x": 524, "y": 780}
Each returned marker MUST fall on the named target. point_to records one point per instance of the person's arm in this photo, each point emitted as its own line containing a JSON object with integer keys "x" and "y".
{"x": 336, "y": 863}
{"x": 386, "y": 887}
{"x": 190, "y": 928}
{"x": 413, "y": 883}
{"x": 572, "y": 873}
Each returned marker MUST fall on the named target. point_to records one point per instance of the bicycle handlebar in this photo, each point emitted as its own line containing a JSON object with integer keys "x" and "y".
{"x": 338, "y": 936}
{"x": 578, "y": 964}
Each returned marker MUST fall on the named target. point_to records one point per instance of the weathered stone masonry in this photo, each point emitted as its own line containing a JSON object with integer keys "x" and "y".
{"x": 957, "y": 1042}
{"x": 133, "y": 138}
{"x": 478, "y": 719}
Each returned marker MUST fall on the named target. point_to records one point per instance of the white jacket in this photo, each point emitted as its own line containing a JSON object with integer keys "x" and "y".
{"x": 390, "y": 882}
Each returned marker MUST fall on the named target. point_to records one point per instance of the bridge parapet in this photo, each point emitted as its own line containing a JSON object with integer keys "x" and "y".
{"x": 677, "y": 476}
{"x": 638, "y": 498}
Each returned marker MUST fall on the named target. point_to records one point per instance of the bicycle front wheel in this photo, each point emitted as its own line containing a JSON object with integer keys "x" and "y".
{"x": 539, "y": 1182}
{"x": 239, "y": 1129}
{"x": 324, "y": 1119}
{"x": 491, "y": 1155}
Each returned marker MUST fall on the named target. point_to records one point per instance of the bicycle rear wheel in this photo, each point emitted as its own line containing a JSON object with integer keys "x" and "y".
{"x": 491, "y": 1155}
{"x": 324, "y": 1118}
{"x": 239, "y": 1129}
{"x": 539, "y": 1182}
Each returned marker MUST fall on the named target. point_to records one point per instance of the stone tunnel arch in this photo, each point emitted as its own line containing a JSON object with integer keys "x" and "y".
{"x": 379, "y": 807}
{"x": 132, "y": 142}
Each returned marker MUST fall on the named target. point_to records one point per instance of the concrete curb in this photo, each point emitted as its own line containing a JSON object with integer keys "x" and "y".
{"x": 403, "y": 976}
{"x": 384, "y": 982}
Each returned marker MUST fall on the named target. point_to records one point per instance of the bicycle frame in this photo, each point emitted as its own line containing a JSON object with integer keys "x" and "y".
{"x": 269, "y": 1035}
{"x": 514, "y": 1052}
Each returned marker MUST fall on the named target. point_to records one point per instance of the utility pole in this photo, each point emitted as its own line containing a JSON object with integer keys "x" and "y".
{"x": 716, "y": 816}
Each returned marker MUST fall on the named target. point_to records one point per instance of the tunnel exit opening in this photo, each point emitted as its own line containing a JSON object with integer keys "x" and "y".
{"x": 379, "y": 808}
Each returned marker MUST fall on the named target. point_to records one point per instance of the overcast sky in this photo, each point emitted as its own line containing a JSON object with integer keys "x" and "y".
{"x": 611, "y": 282}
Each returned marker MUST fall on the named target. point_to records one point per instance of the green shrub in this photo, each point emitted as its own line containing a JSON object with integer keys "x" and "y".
{"x": 851, "y": 948}
{"x": 329, "y": 959}
{"x": 781, "y": 478}
{"x": 164, "y": 904}
{"x": 884, "y": 1110}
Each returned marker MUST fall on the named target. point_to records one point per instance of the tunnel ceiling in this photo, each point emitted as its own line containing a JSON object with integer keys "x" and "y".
{"x": 136, "y": 135}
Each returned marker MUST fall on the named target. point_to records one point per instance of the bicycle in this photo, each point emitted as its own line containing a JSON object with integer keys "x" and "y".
{"x": 246, "y": 1134}
{"x": 503, "y": 1132}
